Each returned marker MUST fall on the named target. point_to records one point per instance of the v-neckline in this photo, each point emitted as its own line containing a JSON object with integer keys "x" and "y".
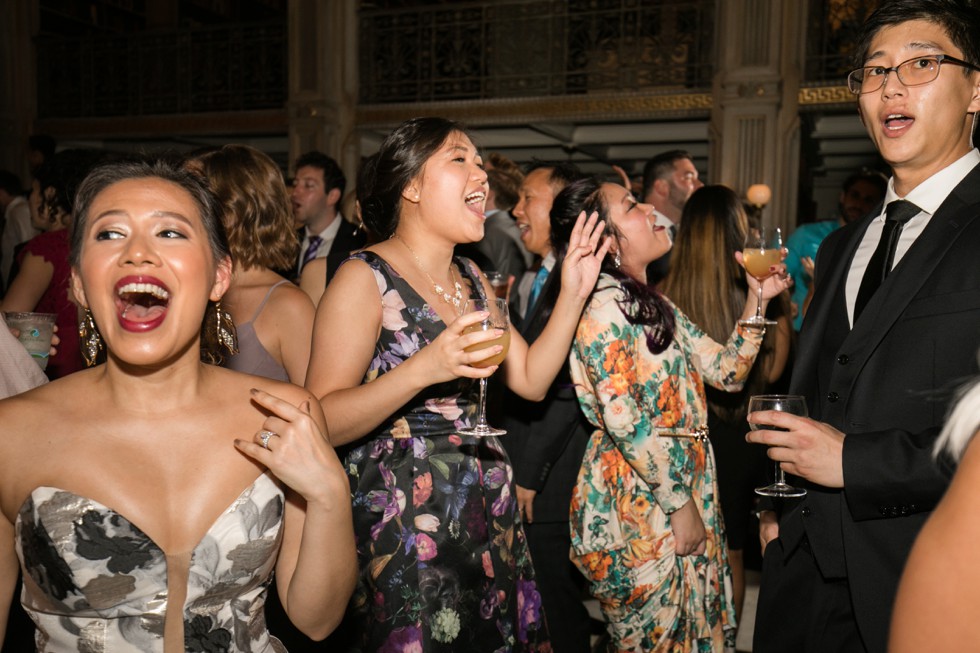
{"x": 465, "y": 274}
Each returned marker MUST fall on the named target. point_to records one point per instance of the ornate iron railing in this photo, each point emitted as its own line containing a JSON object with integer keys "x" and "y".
{"x": 236, "y": 68}
{"x": 508, "y": 48}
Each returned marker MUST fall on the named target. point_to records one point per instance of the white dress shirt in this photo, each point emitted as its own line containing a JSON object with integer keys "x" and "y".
{"x": 662, "y": 220}
{"x": 17, "y": 229}
{"x": 927, "y": 196}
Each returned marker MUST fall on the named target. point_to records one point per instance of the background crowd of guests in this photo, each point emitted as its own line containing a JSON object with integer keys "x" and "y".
{"x": 315, "y": 347}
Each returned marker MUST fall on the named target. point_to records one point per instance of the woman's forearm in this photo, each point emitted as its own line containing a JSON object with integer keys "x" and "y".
{"x": 356, "y": 411}
{"x": 325, "y": 572}
{"x": 545, "y": 358}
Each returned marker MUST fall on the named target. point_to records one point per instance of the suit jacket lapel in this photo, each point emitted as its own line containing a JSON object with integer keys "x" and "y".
{"x": 531, "y": 326}
{"x": 845, "y": 241}
{"x": 923, "y": 257}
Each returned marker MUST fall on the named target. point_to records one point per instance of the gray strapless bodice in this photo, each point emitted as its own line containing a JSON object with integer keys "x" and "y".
{"x": 94, "y": 582}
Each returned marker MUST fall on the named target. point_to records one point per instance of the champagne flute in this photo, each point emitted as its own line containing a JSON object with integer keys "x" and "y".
{"x": 794, "y": 405}
{"x": 762, "y": 249}
{"x": 498, "y": 281}
{"x": 498, "y": 319}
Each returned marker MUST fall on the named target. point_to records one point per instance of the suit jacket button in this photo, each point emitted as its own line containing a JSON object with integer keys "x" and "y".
{"x": 832, "y": 397}
{"x": 806, "y": 511}
{"x": 843, "y": 359}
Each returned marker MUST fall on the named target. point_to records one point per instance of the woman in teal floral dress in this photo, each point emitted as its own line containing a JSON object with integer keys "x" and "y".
{"x": 646, "y": 527}
{"x": 443, "y": 561}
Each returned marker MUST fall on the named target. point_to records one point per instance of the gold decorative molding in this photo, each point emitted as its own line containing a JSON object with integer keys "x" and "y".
{"x": 821, "y": 95}
{"x": 504, "y": 110}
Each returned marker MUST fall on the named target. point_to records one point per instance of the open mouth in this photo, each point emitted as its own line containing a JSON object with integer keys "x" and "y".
{"x": 474, "y": 201}
{"x": 141, "y": 304}
{"x": 896, "y": 121}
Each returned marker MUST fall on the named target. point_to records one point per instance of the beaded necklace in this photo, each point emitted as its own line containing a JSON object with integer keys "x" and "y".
{"x": 456, "y": 299}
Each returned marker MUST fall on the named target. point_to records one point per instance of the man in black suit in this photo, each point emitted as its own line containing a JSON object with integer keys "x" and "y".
{"x": 546, "y": 440}
{"x": 893, "y": 327}
{"x": 317, "y": 190}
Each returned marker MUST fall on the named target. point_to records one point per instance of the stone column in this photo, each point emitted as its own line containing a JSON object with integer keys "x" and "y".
{"x": 755, "y": 126}
{"x": 18, "y": 93}
{"x": 322, "y": 106}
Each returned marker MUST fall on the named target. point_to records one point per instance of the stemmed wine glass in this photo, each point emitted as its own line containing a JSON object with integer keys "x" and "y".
{"x": 794, "y": 405}
{"x": 499, "y": 318}
{"x": 762, "y": 249}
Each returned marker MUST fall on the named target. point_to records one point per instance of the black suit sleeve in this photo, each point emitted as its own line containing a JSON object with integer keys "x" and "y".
{"x": 544, "y": 437}
{"x": 892, "y": 474}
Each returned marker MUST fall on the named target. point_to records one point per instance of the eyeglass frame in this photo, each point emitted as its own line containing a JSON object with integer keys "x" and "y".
{"x": 940, "y": 60}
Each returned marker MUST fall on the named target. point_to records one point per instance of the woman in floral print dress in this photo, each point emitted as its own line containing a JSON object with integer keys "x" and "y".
{"x": 443, "y": 561}
{"x": 646, "y": 527}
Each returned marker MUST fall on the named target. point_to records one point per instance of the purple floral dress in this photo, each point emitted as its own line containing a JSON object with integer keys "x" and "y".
{"x": 443, "y": 559}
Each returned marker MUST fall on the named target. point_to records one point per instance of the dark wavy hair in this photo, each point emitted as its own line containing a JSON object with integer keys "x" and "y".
{"x": 400, "y": 159}
{"x": 170, "y": 169}
{"x": 641, "y": 304}
{"x": 255, "y": 205}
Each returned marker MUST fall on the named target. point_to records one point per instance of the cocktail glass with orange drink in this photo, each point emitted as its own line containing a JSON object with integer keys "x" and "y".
{"x": 763, "y": 249}
{"x": 498, "y": 319}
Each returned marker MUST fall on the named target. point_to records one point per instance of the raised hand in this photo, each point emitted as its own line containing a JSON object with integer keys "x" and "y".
{"x": 777, "y": 281}
{"x": 293, "y": 447}
{"x": 583, "y": 259}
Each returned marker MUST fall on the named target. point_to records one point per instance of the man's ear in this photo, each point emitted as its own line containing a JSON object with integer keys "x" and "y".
{"x": 222, "y": 279}
{"x": 77, "y": 291}
{"x": 975, "y": 100}
{"x": 661, "y": 187}
{"x": 333, "y": 197}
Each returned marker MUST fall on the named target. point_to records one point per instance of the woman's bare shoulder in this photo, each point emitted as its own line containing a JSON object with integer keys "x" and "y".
{"x": 237, "y": 387}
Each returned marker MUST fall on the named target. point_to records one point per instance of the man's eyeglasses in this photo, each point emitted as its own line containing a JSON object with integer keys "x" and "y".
{"x": 914, "y": 72}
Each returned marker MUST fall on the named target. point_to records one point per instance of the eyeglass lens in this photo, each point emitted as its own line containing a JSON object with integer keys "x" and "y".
{"x": 914, "y": 72}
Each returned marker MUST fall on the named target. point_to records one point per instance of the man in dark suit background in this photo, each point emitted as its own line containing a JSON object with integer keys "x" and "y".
{"x": 317, "y": 190}
{"x": 669, "y": 180}
{"x": 546, "y": 440}
{"x": 893, "y": 327}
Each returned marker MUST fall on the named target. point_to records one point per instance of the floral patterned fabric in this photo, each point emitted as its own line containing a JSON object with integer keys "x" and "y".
{"x": 444, "y": 563}
{"x": 633, "y": 477}
{"x": 95, "y": 583}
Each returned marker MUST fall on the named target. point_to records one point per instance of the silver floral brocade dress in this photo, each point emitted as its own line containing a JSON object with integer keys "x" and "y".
{"x": 95, "y": 583}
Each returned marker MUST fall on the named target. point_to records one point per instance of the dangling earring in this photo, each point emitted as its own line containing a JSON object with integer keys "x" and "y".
{"x": 226, "y": 333}
{"x": 617, "y": 259}
{"x": 90, "y": 339}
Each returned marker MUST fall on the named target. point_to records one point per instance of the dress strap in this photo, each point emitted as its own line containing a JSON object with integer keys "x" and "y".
{"x": 266, "y": 299}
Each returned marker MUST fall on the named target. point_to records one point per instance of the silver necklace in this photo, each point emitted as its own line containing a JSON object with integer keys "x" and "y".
{"x": 456, "y": 299}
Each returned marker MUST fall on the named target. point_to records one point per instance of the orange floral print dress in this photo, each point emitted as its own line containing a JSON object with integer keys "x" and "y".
{"x": 632, "y": 479}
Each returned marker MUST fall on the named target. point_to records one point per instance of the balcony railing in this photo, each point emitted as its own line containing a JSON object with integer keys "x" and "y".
{"x": 237, "y": 68}
{"x": 508, "y": 48}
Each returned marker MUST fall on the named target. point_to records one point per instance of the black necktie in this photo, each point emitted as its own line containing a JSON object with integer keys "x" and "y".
{"x": 897, "y": 213}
